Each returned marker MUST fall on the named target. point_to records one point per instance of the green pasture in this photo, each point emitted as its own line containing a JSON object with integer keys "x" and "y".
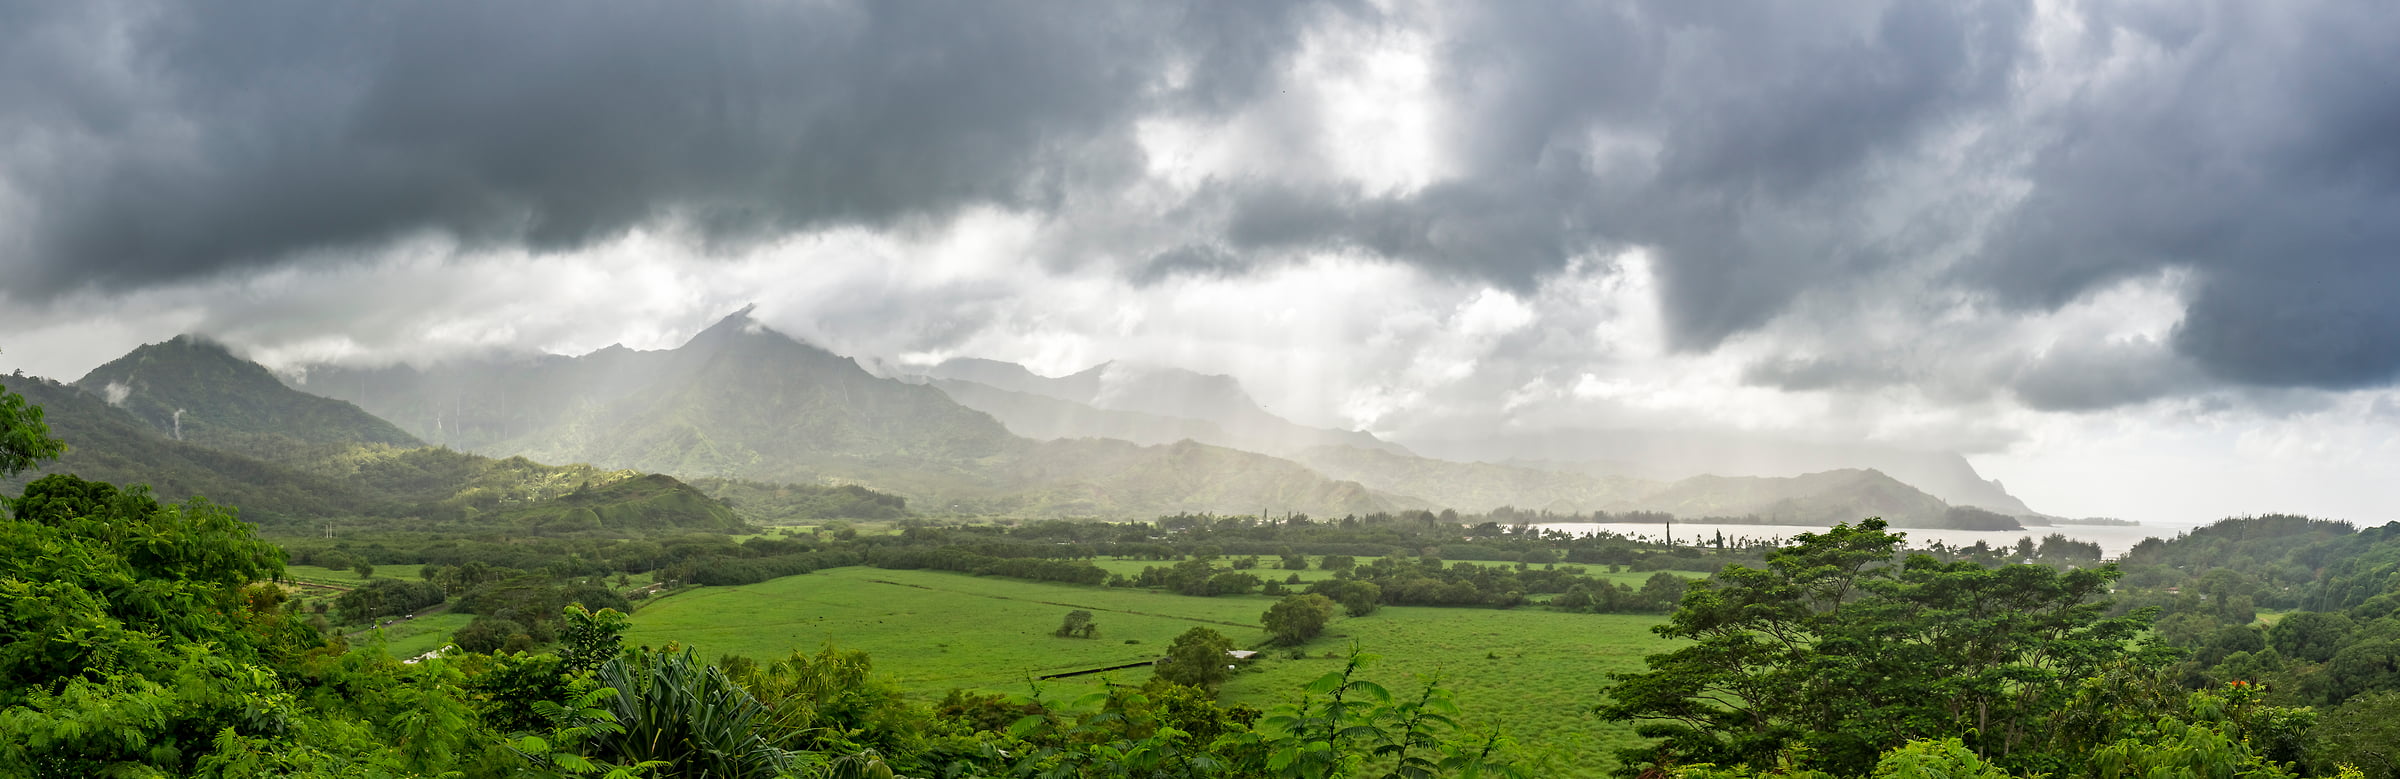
{"x": 932, "y": 631}
{"x": 346, "y": 578}
{"x": 417, "y": 636}
{"x": 1533, "y": 673}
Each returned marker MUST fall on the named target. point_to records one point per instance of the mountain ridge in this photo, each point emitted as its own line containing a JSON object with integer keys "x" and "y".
{"x": 425, "y": 485}
{"x": 741, "y": 401}
{"x": 194, "y": 389}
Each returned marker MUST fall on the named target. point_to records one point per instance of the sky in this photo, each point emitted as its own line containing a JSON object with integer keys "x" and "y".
{"x": 2134, "y": 258}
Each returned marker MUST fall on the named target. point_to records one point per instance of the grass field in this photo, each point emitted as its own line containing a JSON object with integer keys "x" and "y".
{"x": 1532, "y": 673}
{"x": 312, "y": 585}
{"x": 346, "y": 578}
{"x": 931, "y": 631}
{"x": 417, "y": 636}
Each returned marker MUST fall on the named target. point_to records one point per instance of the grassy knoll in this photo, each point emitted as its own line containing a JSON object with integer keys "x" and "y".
{"x": 1533, "y": 673}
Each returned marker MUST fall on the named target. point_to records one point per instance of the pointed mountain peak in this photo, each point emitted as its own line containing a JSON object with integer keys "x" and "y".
{"x": 741, "y": 330}
{"x": 182, "y": 356}
{"x": 743, "y": 338}
{"x": 734, "y": 324}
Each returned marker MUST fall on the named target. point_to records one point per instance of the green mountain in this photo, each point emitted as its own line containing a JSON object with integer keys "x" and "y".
{"x": 1147, "y": 405}
{"x": 1808, "y": 499}
{"x": 196, "y": 391}
{"x": 417, "y": 488}
{"x": 1813, "y": 499}
{"x": 1668, "y": 456}
{"x": 742, "y": 402}
{"x": 107, "y": 443}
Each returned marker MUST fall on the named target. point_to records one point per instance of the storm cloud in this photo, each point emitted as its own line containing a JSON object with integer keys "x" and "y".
{"x": 1772, "y": 161}
{"x": 162, "y": 141}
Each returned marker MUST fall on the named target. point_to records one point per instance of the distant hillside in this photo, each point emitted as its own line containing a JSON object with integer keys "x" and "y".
{"x": 1808, "y": 499}
{"x": 194, "y": 390}
{"x": 1475, "y": 487}
{"x": 106, "y": 443}
{"x": 417, "y": 488}
{"x": 1671, "y": 456}
{"x": 1102, "y": 478}
{"x": 743, "y": 402}
{"x": 1562, "y": 472}
{"x": 1138, "y": 403}
{"x": 1811, "y": 499}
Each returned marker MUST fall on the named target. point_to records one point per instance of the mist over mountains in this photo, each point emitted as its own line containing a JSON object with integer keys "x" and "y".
{"x": 741, "y": 408}
{"x": 742, "y": 401}
{"x": 1145, "y": 404}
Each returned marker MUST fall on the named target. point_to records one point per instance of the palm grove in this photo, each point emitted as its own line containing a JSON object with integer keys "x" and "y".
{"x": 145, "y": 638}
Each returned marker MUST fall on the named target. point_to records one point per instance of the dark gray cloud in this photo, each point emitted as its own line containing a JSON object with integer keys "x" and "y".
{"x": 1768, "y": 127}
{"x": 2099, "y": 376}
{"x": 1759, "y": 151}
{"x": 2256, "y": 145}
{"x": 171, "y": 140}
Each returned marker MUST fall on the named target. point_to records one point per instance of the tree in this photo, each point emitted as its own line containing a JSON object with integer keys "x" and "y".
{"x": 1296, "y": 619}
{"x": 1198, "y": 659}
{"x": 1664, "y": 590}
{"x": 1078, "y": 624}
{"x": 2310, "y": 636}
{"x": 2364, "y": 732}
{"x": 1337, "y": 562}
{"x": 24, "y": 440}
{"x": 486, "y": 635}
{"x": 139, "y": 641}
{"x": 364, "y": 569}
{"x": 1832, "y": 654}
{"x": 1360, "y": 598}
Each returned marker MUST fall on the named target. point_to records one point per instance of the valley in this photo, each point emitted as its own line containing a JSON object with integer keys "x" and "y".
{"x": 759, "y": 503}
